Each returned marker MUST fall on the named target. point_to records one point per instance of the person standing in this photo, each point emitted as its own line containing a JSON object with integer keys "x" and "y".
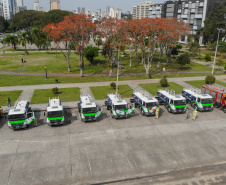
{"x": 1, "y": 111}
{"x": 157, "y": 113}
{"x": 187, "y": 114}
{"x": 195, "y": 114}
{"x": 9, "y": 102}
{"x": 35, "y": 122}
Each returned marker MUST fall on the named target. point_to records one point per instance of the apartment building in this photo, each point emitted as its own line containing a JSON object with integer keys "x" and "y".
{"x": 55, "y": 5}
{"x": 142, "y": 10}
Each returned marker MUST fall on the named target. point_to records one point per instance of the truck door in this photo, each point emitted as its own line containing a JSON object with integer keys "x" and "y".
{"x": 131, "y": 109}
{"x": 99, "y": 111}
{"x": 30, "y": 117}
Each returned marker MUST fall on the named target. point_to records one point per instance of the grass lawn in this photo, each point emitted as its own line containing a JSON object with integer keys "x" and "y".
{"x": 154, "y": 87}
{"x": 36, "y": 61}
{"x": 198, "y": 83}
{"x": 65, "y": 95}
{"x": 16, "y": 80}
{"x": 100, "y": 93}
{"x": 14, "y": 95}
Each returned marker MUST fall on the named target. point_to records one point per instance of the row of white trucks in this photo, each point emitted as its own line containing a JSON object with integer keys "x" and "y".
{"x": 21, "y": 116}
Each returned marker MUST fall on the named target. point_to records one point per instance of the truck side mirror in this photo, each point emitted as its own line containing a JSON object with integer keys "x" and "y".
{"x": 44, "y": 113}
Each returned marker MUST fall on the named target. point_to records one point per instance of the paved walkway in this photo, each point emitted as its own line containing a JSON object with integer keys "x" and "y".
{"x": 185, "y": 85}
{"x": 136, "y": 87}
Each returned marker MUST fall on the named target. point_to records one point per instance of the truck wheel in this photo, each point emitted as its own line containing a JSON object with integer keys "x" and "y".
{"x": 224, "y": 110}
{"x": 169, "y": 109}
{"x": 112, "y": 115}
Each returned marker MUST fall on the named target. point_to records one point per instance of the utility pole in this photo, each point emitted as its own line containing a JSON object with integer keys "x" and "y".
{"x": 216, "y": 49}
{"x": 117, "y": 76}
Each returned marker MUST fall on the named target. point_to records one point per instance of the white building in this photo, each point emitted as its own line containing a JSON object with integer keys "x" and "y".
{"x": 142, "y": 10}
{"x": 36, "y": 5}
{"x": 20, "y": 3}
{"x": 115, "y": 13}
{"x": 9, "y": 8}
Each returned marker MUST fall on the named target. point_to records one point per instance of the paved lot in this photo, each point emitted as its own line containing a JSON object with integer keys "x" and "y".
{"x": 111, "y": 150}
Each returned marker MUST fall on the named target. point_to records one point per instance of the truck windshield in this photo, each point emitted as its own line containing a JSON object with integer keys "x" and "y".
{"x": 89, "y": 110}
{"x": 120, "y": 107}
{"x": 55, "y": 114}
{"x": 154, "y": 104}
{"x": 206, "y": 101}
{"x": 16, "y": 117}
{"x": 179, "y": 102}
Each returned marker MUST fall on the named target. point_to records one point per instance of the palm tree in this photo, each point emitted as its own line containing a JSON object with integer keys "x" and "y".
{"x": 24, "y": 39}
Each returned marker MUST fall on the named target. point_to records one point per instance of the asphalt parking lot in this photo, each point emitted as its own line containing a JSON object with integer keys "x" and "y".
{"x": 111, "y": 150}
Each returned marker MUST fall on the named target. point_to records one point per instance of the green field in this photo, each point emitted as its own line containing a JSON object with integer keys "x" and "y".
{"x": 36, "y": 61}
{"x": 154, "y": 87}
{"x": 14, "y": 95}
{"x": 100, "y": 93}
{"x": 198, "y": 83}
{"x": 65, "y": 95}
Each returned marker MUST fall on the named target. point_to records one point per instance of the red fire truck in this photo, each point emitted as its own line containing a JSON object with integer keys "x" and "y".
{"x": 218, "y": 93}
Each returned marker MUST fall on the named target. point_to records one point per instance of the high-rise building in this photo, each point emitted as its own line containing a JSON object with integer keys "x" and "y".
{"x": 115, "y": 13}
{"x": 55, "y": 5}
{"x": 9, "y": 8}
{"x": 36, "y": 5}
{"x": 19, "y": 2}
{"x": 142, "y": 10}
{"x": 81, "y": 10}
{"x": 1, "y": 9}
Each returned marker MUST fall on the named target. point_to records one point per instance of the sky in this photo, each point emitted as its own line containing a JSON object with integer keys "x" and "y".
{"x": 125, "y": 5}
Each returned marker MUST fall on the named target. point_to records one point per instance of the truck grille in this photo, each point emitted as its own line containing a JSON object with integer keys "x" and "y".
{"x": 55, "y": 121}
{"x": 17, "y": 125}
{"x": 179, "y": 109}
{"x": 207, "y": 108}
{"x": 89, "y": 117}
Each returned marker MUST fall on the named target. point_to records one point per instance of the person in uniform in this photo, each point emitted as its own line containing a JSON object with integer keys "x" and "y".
{"x": 157, "y": 113}
{"x": 35, "y": 122}
{"x": 187, "y": 114}
{"x": 1, "y": 111}
{"x": 195, "y": 114}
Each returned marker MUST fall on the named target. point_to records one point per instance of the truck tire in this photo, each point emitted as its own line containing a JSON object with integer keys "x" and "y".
{"x": 142, "y": 111}
{"x": 168, "y": 109}
{"x": 106, "y": 103}
{"x": 224, "y": 109}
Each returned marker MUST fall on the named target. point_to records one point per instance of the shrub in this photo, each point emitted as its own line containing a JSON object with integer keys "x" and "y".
{"x": 113, "y": 85}
{"x": 183, "y": 59}
{"x": 210, "y": 79}
{"x": 55, "y": 90}
{"x": 164, "y": 82}
{"x": 207, "y": 58}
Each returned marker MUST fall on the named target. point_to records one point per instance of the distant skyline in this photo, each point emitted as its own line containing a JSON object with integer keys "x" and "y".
{"x": 125, "y": 5}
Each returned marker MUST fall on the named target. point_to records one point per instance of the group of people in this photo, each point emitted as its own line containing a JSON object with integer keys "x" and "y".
{"x": 195, "y": 113}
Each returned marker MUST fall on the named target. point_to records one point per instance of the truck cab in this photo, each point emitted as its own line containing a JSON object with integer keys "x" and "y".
{"x": 55, "y": 113}
{"x": 173, "y": 103}
{"x": 201, "y": 102}
{"x": 146, "y": 104}
{"x": 119, "y": 108}
{"x": 21, "y": 116}
{"x": 88, "y": 110}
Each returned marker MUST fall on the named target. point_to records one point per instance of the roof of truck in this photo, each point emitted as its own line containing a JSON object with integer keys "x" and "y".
{"x": 216, "y": 87}
{"x": 170, "y": 96}
{"x": 86, "y": 102}
{"x": 116, "y": 101}
{"x": 54, "y": 105}
{"x": 144, "y": 98}
{"x": 203, "y": 96}
{"x": 20, "y": 108}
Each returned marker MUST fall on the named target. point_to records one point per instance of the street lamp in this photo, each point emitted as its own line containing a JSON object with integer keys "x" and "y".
{"x": 46, "y": 71}
{"x": 216, "y": 49}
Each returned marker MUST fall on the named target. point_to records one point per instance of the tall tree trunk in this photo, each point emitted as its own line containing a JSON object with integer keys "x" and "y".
{"x": 160, "y": 58}
{"x": 111, "y": 70}
{"x": 81, "y": 66}
{"x": 69, "y": 65}
{"x": 131, "y": 60}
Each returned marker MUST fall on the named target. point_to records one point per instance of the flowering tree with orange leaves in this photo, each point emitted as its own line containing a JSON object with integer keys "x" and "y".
{"x": 113, "y": 32}
{"x": 74, "y": 30}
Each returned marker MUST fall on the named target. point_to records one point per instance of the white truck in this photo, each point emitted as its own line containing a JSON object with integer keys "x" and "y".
{"x": 147, "y": 105}
{"x": 20, "y": 116}
{"x": 88, "y": 110}
{"x": 201, "y": 102}
{"x": 173, "y": 103}
{"x": 119, "y": 108}
{"x": 55, "y": 112}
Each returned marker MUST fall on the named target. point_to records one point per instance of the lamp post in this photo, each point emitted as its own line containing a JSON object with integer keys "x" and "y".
{"x": 46, "y": 71}
{"x": 216, "y": 49}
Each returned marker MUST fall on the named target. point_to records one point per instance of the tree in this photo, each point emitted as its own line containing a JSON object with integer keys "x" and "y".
{"x": 28, "y": 19}
{"x": 219, "y": 63}
{"x": 24, "y": 39}
{"x": 39, "y": 38}
{"x": 4, "y": 24}
{"x": 176, "y": 49}
{"x": 91, "y": 52}
{"x": 183, "y": 59}
{"x": 55, "y": 16}
{"x": 11, "y": 39}
{"x": 215, "y": 19}
{"x": 207, "y": 58}
{"x": 194, "y": 49}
